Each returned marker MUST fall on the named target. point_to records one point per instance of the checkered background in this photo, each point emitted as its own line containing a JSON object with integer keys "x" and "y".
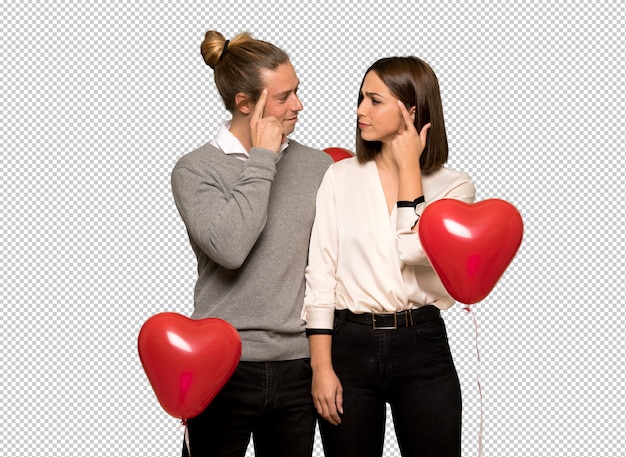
{"x": 99, "y": 99}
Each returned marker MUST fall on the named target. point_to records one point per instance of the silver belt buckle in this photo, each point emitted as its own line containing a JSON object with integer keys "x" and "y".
{"x": 395, "y": 322}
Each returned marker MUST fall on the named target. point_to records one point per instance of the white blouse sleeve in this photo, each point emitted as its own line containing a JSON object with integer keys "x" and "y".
{"x": 407, "y": 222}
{"x": 319, "y": 299}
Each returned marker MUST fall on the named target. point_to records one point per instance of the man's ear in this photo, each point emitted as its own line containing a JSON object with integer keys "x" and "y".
{"x": 243, "y": 103}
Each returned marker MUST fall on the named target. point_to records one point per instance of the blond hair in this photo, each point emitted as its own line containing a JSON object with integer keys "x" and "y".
{"x": 237, "y": 64}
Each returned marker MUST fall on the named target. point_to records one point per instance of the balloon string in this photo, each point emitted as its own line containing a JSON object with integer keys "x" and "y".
{"x": 480, "y": 392}
{"x": 184, "y": 422}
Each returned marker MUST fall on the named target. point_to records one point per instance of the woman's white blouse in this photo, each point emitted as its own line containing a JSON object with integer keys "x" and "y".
{"x": 364, "y": 259}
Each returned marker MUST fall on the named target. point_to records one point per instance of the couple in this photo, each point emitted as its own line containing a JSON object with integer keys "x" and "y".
{"x": 320, "y": 267}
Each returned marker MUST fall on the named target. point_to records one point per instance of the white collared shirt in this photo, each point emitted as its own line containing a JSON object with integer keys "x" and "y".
{"x": 229, "y": 144}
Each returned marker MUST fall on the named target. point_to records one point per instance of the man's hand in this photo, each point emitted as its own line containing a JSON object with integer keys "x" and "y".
{"x": 265, "y": 132}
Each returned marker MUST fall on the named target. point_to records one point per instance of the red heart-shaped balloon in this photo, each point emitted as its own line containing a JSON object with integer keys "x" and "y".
{"x": 187, "y": 361}
{"x": 338, "y": 153}
{"x": 470, "y": 245}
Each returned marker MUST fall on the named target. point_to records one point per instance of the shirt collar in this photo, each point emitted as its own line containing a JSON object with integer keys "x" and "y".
{"x": 229, "y": 144}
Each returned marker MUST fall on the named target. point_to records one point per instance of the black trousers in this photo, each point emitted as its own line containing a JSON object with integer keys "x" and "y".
{"x": 270, "y": 401}
{"x": 410, "y": 368}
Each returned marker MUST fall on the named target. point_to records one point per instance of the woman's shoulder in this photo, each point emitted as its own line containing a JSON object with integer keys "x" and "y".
{"x": 348, "y": 175}
{"x": 447, "y": 175}
{"x": 443, "y": 181}
{"x": 349, "y": 166}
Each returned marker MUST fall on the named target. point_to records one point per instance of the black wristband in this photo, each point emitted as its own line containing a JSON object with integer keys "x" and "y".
{"x": 318, "y": 331}
{"x": 408, "y": 204}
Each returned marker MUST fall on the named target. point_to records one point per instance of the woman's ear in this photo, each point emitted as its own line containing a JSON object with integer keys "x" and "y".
{"x": 412, "y": 113}
{"x": 243, "y": 104}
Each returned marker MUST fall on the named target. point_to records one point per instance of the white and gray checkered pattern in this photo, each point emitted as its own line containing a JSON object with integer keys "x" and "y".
{"x": 100, "y": 99}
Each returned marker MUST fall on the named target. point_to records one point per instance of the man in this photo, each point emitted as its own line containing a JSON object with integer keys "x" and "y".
{"x": 248, "y": 202}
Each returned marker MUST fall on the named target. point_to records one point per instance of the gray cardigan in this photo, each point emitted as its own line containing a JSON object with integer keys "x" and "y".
{"x": 249, "y": 224}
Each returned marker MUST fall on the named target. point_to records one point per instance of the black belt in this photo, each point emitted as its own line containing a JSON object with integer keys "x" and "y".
{"x": 392, "y": 321}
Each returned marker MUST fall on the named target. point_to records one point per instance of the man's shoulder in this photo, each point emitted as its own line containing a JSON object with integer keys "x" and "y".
{"x": 198, "y": 157}
{"x": 200, "y": 152}
{"x": 310, "y": 153}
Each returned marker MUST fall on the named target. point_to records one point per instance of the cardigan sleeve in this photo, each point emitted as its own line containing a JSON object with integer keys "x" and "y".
{"x": 225, "y": 226}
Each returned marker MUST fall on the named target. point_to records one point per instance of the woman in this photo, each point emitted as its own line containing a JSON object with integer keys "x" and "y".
{"x": 373, "y": 301}
{"x": 248, "y": 202}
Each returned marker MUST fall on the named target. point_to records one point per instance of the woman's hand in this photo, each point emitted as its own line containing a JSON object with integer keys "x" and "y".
{"x": 327, "y": 395}
{"x": 266, "y": 132}
{"x": 408, "y": 145}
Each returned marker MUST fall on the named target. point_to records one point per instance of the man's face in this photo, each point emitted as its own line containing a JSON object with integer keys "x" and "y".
{"x": 282, "y": 100}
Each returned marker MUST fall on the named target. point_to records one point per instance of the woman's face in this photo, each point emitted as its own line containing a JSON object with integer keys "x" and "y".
{"x": 378, "y": 115}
